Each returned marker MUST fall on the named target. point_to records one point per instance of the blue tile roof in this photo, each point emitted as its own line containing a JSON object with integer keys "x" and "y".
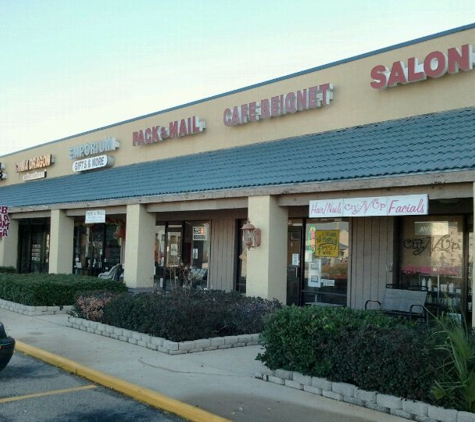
{"x": 432, "y": 143}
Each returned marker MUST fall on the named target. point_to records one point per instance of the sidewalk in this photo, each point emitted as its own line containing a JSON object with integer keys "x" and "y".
{"x": 221, "y": 382}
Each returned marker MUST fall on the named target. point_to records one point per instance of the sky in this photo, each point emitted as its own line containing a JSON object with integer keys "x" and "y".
{"x": 69, "y": 66}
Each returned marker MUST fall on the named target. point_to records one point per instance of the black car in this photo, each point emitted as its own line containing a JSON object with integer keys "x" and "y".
{"x": 7, "y": 346}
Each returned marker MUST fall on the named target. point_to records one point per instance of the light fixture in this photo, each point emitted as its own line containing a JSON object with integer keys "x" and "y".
{"x": 250, "y": 235}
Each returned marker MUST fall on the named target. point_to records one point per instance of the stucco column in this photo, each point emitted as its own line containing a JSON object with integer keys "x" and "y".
{"x": 266, "y": 265}
{"x": 61, "y": 244}
{"x": 140, "y": 232}
{"x": 9, "y": 246}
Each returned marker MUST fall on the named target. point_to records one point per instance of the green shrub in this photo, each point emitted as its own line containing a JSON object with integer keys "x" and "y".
{"x": 300, "y": 338}
{"x": 396, "y": 360}
{"x": 184, "y": 315}
{"x": 9, "y": 270}
{"x": 51, "y": 289}
{"x": 455, "y": 383}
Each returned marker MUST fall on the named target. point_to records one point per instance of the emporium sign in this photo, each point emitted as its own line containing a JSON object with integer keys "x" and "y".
{"x": 279, "y": 105}
{"x": 176, "y": 129}
{"x": 4, "y": 221}
{"x": 93, "y": 148}
{"x": 370, "y": 207}
{"x": 434, "y": 65}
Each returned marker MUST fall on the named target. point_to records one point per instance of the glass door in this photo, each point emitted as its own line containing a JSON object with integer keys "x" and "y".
{"x": 294, "y": 253}
{"x": 33, "y": 246}
{"x": 325, "y": 279}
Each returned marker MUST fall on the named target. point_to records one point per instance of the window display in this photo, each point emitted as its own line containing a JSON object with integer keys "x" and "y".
{"x": 326, "y": 262}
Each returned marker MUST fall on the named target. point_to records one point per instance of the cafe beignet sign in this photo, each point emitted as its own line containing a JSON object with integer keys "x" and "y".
{"x": 279, "y": 105}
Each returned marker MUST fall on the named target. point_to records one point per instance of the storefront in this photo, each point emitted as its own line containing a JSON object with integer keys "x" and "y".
{"x": 325, "y": 187}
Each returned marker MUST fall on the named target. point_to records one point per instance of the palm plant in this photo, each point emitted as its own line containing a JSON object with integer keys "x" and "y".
{"x": 455, "y": 384}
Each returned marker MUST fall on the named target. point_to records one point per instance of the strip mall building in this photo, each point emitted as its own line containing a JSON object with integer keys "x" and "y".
{"x": 359, "y": 174}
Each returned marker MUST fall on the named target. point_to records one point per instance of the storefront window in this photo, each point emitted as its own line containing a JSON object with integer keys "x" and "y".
{"x": 182, "y": 254}
{"x": 432, "y": 257}
{"x": 97, "y": 247}
{"x": 326, "y": 262}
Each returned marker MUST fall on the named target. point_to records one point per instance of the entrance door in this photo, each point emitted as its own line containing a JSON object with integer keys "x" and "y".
{"x": 33, "y": 247}
{"x": 294, "y": 254}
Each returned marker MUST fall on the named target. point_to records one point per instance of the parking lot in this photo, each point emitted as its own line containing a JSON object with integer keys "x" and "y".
{"x": 32, "y": 390}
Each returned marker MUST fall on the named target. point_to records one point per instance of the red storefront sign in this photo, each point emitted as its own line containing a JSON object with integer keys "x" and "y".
{"x": 434, "y": 65}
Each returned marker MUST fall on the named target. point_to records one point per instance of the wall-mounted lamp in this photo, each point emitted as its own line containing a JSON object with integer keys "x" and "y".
{"x": 250, "y": 235}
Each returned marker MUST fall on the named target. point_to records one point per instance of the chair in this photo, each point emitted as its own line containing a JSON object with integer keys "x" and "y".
{"x": 112, "y": 274}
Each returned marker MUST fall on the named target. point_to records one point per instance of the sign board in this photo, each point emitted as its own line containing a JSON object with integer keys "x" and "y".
{"x": 370, "y": 206}
{"x": 431, "y": 228}
{"x": 327, "y": 243}
{"x": 36, "y": 163}
{"x": 279, "y": 105}
{"x": 176, "y": 129}
{"x": 34, "y": 176}
{"x": 93, "y": 148}
{"x": 4, "y": 222}
{"x": 199, "y": 233}
{"x": 96, "y": 216}
{"x": 434, "y": 65}
{"x": 93, "y": 163}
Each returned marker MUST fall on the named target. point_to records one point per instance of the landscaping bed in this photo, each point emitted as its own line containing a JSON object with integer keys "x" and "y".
{"x": 336, "y": 352}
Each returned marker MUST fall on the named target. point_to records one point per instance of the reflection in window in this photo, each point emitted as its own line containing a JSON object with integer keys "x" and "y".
{"x": 432, "y": 258}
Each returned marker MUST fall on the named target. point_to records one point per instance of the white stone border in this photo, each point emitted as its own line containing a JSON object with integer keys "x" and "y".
{"x": 34, "y": 310}
{"x": 161, "y": 344}
{"x": 349, "y": 393}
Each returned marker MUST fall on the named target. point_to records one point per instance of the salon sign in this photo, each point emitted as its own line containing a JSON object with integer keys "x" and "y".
{"x": 370, "y": 206}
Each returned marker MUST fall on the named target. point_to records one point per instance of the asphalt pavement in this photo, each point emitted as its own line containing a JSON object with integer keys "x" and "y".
{"x": 213, "y": 385}
{"x": 34, "y": 391}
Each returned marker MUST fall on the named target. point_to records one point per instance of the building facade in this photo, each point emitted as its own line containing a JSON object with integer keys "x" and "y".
{"x": 359, "y": 176}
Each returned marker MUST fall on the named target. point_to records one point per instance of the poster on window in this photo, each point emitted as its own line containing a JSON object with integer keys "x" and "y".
{"x": 199, "y": 233}
{"x": 315, "y": 273}
{"x": 327, "y": 243}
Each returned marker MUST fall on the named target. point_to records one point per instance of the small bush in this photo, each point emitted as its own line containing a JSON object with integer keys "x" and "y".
{"x": 9, "y": 270}
{"x": 392, "y": 360}
{"x": 366, "y": 348}
{"x": 90, "y": 305}
{"x": 300, "y": 338}
{"x": 185, "y": 315}
{"x": 51, "y": 289}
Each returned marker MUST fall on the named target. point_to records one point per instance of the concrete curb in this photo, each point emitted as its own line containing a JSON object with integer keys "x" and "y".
{"x": 138, "y": 393}
{"x": 162, "y": 344}
{"x": 34, "y": 310}
{"x": 349, "y": 393}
